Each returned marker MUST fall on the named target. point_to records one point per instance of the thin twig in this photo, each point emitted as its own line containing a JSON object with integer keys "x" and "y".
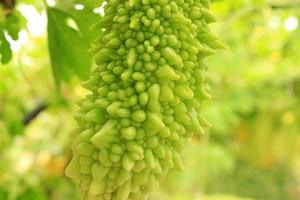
{"x": 34, "y": 113}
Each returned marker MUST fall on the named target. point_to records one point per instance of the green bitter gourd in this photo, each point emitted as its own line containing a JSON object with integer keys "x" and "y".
{"x": 147, "y": 91}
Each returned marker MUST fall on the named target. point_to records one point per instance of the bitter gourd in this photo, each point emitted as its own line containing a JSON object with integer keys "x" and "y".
{"x": 147, "y": 91}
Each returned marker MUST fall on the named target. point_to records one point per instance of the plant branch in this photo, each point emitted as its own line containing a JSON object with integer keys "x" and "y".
{"x": 34, "y": 113}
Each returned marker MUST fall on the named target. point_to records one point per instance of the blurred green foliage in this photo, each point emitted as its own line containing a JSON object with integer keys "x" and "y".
{"x": 10, "y": 26}
{"x": 68, "y": 31}
{"x": 68, "y": 49}
{"x": 252, "y": 151}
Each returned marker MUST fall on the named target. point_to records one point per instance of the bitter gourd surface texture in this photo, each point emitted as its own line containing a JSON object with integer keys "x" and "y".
{"x": 146, "y": 96}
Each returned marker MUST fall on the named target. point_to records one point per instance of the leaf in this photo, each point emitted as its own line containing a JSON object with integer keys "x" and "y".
{"x": 84, "y": 18}
{"x": 5, "y": 50}
{"x": 69, "y": 37}
{"x": 12, "y": 25}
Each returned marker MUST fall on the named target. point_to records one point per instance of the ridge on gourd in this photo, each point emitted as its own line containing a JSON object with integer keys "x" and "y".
{"x": 146, "y": 95}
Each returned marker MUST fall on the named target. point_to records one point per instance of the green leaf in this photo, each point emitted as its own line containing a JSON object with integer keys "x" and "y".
{"x": 5, "y": 50}
{"x": 84, "y": 18}
{"x": 69, "y": 38}
{"x": 12, "y": 25}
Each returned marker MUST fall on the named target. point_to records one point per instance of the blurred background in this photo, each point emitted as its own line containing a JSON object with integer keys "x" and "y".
{"x": 252, "y": 152}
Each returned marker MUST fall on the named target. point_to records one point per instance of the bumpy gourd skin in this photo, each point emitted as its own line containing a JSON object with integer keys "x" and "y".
{"x": 146, "y": 96}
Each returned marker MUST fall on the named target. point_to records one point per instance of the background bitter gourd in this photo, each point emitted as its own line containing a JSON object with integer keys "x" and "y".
{"x": 147, "y": 91}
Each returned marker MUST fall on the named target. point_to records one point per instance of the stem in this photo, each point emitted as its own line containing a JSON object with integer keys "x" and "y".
{"x": 34, "y": 113}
